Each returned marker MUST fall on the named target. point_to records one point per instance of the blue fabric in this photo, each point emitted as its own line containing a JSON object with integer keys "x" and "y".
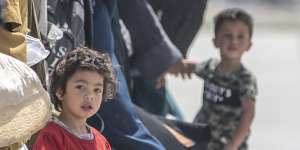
{"x": 173, "y": 107}
{"x": 153, "y": 100}
{"x": 123, "y": 128}
{"x": 103, "y": 36}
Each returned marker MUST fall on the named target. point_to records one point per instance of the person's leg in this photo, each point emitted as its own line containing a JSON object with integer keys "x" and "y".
{"x": 157, "y": 128}
{"x": 123, "y": 128}
{"x": 172, "y": 106}
{"x": 148, "y": 97}
{"x": 199, "y": 133}
{"x": 173, "y": 134}
{"x": 154, "y": 100}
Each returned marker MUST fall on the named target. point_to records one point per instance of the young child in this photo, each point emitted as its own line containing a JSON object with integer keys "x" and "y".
{"x": 81, "y": 79}
{"x": 229, "y": 88}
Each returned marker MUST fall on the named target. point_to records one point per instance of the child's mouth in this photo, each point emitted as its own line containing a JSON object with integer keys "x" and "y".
{"x": 232, "y": 49}
{"x": 86, "y": 107}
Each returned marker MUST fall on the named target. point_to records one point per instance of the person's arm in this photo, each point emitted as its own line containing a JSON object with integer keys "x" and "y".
{"x": 154, "y": 53}
{"x": 248, "y": 92}
{"x": 248, "y": 107}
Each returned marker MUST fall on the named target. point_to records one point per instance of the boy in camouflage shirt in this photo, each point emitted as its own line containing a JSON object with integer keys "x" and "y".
{"x": 229, "y": 88}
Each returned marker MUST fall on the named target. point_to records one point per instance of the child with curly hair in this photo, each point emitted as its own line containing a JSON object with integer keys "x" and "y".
{"x": 79, "y": 83}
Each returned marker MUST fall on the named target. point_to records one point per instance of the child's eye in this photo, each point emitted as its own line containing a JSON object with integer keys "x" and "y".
{"x": 79, "y": 87}
{"x": 98, "y": 91}
{"x": 241, "y": 36}
{"x": 227, "y": 35}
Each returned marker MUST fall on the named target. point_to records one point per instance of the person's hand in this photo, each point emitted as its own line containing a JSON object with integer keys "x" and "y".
{"x": 183, "y": 67}
{"x": 161, "y": 81}
{"x": 231, "y": 146}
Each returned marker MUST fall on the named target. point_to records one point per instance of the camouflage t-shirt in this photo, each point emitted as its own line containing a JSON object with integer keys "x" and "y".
{"x": 222, "y": 97}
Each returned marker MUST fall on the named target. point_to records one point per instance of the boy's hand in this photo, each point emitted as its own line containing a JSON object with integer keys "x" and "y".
{"x": 183, "y": 67}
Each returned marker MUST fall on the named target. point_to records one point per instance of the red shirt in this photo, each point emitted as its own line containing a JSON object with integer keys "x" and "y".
{"x": 55, "y": 137}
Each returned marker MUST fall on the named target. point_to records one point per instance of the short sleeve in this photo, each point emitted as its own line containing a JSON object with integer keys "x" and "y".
{"x": 101, "y": 140}
{"x": 202, "y": 67}
{"x": 249, "y": 88}
{"x": 45, "y": 142}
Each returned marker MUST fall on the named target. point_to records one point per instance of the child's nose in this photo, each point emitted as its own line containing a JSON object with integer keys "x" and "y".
{"x": 234, "y": 41}
{"x": 88, "y": 96}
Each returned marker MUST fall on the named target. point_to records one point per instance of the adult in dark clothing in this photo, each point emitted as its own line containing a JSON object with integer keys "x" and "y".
{"x": 149, "y": 42}
{"x": 180, "y": 20}
{"x": 124, "y": 129}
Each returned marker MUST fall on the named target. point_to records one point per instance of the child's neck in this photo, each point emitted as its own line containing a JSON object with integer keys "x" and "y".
{"x": 77, "y": 126}
{"x": 228, "y": 67}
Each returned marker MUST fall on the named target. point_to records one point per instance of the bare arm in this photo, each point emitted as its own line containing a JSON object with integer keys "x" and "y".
{"x": 248, "y": 106}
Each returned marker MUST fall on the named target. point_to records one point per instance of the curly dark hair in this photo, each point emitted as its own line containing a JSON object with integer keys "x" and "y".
{"x": 82, "y": 59}
{"x": 233, "y": 14}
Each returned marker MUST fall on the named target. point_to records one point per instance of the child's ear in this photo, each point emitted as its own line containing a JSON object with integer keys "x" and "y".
{"x": 250, "y": 45}
{"x": 59, "y": 94}
{"x": 214, "y": 40}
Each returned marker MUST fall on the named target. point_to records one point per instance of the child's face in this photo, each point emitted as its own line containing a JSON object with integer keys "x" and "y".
{"x": 83, "y": 94}
{"x": 233, "y": 39}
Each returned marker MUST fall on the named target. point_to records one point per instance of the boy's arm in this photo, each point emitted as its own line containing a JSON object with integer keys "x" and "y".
{"x": 248, "y": 107}
{"x": 184, "y": 67}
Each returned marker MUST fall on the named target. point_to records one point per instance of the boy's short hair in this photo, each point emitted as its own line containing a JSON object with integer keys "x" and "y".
{"x": 233, "y": 14}
{"x": 82, "y": 59}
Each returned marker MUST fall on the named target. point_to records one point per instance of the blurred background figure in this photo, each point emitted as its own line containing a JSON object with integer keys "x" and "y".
{"x": 274, "y": 58}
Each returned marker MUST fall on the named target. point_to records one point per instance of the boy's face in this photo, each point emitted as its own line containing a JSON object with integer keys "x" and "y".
{"x": 83, "y": 94}
{"x": 233, "y": 39}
